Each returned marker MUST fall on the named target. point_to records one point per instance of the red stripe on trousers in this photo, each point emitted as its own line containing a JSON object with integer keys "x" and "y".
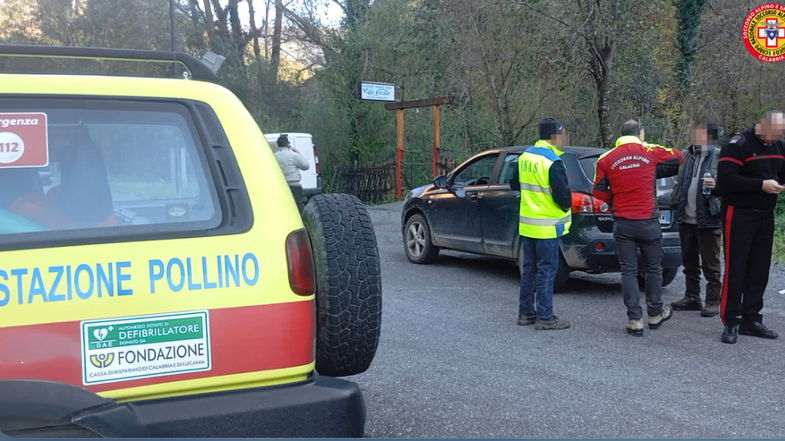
{"x": 728, "y": 223}
{"x": 244, "y": 339}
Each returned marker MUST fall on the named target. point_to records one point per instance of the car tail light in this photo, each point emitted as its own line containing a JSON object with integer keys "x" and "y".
{"x": 584, "y": 203}
{"x": 316, "y": 160}
{"x": 300, "y": 260}
{"x": 599, "y": 246}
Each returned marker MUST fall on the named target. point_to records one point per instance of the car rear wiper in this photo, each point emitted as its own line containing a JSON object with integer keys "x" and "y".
{"x": 591, "y": 155}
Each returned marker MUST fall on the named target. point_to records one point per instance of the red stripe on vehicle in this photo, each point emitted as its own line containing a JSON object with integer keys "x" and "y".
{"x": 244, "y": 339}
{"x": 733, "y": 160}
{"x": 728, "y": 224}
{"x": 752, "y": 158}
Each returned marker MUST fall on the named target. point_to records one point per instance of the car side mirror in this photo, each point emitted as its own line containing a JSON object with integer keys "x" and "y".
{"x": 440, "y": 181}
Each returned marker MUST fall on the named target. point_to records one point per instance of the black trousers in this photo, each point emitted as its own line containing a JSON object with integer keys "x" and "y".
{"x": 646, "y": 235}
{"x": 748, "y": 236}
{"x": 297, "y": 194}
{"x": 700, "y": 250}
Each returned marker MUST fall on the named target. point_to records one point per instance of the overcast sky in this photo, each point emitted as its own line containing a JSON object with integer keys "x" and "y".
{"x": 330, "y": 13}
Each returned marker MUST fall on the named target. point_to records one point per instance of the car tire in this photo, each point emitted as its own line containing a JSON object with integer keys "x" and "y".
{"x": 562, "y": 272}
{"x": 668, "y": 274}
{"x": 417, "y": 240}
{"x": 348, "y": 283}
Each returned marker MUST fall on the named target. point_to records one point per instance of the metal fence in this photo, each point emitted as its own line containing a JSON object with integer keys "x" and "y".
{"x": 371, "y": 183}
{"x": 375, "y": 183}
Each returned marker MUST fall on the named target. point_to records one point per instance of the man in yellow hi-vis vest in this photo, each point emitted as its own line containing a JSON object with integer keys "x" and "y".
{"x": 545, "y": 217}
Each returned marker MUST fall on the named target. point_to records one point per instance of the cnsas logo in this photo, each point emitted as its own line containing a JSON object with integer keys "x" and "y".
{"x": 764, "y": 32}
{"x": 102, "y": 360}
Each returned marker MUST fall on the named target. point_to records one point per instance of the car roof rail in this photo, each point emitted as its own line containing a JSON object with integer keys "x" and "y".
{"x": 196, "y": 69}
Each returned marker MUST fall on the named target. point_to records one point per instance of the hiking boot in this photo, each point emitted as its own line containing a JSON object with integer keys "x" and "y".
{"x": 730, "y": 334}
{"x": 635, "y": 327}
{"x": 757, "y": 329}
{"x": 710, "y": 310}
{"x": 551, "y": 323}
{"x": 687, "y": 304}
{"x": 657, "y": 320}
{"x": 525, "y": 320}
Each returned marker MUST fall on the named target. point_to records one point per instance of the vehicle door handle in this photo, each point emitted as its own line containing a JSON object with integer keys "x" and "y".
{"x": 475, "y": 196}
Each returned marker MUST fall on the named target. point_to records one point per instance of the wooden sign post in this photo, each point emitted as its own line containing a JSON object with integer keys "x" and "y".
{"x": 399, "y": 107}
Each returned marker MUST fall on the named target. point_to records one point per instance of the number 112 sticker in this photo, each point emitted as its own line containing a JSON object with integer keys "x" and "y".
{"x": 23, "y": 140}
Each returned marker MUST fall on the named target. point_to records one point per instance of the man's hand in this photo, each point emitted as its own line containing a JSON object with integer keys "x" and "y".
{"x": 772, "y": 186}
{"x": 709, "y": 183}
{"x": 294, "y": 149}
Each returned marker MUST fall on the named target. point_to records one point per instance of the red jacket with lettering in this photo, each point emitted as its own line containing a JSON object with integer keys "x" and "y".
{"x": 626, "y": 176}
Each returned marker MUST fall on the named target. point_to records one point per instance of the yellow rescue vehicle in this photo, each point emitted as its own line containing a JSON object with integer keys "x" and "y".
{"x": 156, "y": 277}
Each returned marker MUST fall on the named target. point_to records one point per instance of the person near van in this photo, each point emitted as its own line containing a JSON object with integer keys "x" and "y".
{"x": 545, "y": 217}
{"x": 291, "y": 162}
{"x": 626, "y": 179}
{"x": 697, "y": 211}
{"x": 750, "y": 175}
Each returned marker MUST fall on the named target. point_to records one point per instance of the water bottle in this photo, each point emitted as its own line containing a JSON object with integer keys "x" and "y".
{"x": 706, "y": 190}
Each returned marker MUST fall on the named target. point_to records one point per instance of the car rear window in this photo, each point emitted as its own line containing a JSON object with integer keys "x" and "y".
{"x": 575, "y": 176}
{"x": 589, "y": 165}
{"x": 115, "y": 168}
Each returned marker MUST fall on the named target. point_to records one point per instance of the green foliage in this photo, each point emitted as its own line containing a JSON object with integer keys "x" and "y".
{"x": 688, "y": 13}
{"x": 506, "y": 63}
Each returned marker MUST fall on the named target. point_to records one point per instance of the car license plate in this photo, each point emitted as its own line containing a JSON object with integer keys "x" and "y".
{"x": 665, "y": 217}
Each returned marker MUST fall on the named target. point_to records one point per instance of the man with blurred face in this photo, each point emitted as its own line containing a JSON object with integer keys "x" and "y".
{"x": 625, "y": 179}
{"x": 751, "y": 172}
{"x": 545, "y": 217}
{"x": 697, "y": 210}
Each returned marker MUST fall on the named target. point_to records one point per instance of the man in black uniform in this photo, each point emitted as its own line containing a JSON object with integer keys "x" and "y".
{"x": 750, "y": 172}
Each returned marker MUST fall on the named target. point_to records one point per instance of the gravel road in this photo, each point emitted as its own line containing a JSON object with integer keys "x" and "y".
{"x": 453, "y": 363}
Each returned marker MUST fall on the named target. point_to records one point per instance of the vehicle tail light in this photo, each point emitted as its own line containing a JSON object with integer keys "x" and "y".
{"x": 599, "y": 246}
{"x": 316, "y": 160}
{"x": 300, "y": 259}
{"x": 584, "y": 203}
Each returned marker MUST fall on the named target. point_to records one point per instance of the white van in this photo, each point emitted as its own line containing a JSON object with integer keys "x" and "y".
{"x": 310, "y": 179}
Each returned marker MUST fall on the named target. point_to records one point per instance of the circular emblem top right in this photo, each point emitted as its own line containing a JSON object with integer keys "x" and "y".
{"x": 764, "y": 32}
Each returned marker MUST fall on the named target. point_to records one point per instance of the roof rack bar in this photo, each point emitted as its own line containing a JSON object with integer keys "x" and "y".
{"x": 197, "y": 70}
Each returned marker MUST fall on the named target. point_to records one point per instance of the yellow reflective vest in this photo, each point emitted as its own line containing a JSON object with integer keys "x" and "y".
{"x": 540, "y": 217}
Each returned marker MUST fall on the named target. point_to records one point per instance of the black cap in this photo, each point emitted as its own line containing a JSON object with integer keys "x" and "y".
{"x": 712, "y": 131}
{"x": 283, "y": 140}
{"x": 550, "y": 126}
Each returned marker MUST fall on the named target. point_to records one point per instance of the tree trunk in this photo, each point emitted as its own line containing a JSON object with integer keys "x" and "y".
{"x": 238, "y": 39}
{"x": 275, "y": 55}
{"x": 603, "y": 111}
{"x": 254, "y": 31}
{"x": 266, "y": 29}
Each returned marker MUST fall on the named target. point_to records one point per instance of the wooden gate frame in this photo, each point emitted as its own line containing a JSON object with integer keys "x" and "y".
{"x": 399, "y": 107}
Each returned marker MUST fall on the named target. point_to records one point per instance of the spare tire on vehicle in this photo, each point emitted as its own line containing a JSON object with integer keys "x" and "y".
{"x": 348, "y": 283}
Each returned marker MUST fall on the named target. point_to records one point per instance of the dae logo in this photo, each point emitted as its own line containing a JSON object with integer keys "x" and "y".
{"x": 764, "y": 32}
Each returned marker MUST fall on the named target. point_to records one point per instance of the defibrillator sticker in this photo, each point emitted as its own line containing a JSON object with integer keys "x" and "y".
{"x": 24, "y": 140}
{"x": 140, "y": 347}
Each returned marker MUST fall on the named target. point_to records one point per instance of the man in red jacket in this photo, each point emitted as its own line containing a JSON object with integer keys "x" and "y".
{"x": 626, "y": 179}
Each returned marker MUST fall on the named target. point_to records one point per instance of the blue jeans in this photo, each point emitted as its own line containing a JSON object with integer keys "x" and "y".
{"x": 540, "y": 262}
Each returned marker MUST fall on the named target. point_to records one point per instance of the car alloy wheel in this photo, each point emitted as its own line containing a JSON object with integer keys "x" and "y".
{"x": 415, "y": 239}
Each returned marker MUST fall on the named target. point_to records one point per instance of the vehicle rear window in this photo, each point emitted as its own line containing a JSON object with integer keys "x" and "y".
{"x": 114, "y": 168}
{"x": 575, "y": 176}
{"x": 589, "y": 166}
